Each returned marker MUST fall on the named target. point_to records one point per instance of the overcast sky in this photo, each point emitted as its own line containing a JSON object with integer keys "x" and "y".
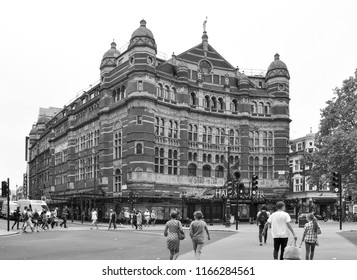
{"x": 49, "y": 51}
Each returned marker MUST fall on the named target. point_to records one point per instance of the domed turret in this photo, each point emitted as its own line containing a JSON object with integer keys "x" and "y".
{"x": 243, "y": 82}
{"x": 277, "y": 69}
{"x": 109, "y": 59}
{"x": 142, "y": 37}
{"x": 277, "y": 78}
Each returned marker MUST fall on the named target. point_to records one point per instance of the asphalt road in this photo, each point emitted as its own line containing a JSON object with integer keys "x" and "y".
{"x": 81, "y": 243}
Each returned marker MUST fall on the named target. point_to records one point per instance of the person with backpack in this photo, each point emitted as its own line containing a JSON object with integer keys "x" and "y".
{"x": 262, "y": 218}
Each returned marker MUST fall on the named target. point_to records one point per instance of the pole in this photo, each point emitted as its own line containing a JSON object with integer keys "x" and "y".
{"x": 228, "y": 207}
{"x": 95, "y": 175}
{"x": 8, "y": 204}
{"x": 237, "y": 193}
{"x": 340, "y": 192}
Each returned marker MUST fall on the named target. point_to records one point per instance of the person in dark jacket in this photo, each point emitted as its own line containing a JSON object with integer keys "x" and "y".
{"x": 64, "y": 217}
{"x": 112, "y": 219}
{"x": 17, "y": 216}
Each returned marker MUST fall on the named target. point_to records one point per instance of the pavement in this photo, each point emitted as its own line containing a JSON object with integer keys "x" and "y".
{"x": 244, "y": 244}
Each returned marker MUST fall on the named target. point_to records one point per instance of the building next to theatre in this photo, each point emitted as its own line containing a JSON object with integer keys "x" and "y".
{"x": 310, "y": 198}
{"x": 160, "y": 134}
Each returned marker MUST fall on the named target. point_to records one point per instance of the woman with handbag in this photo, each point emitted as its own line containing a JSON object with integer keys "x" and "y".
{"x": 311, "y": 230}
{"x": 174, "y": 232}
{"x": 197, "y": 228}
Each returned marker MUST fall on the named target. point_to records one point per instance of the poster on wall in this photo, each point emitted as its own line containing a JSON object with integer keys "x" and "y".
{"x": 160, "y": 212}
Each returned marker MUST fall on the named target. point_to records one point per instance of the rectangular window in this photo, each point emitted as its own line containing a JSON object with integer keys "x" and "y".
{"x": 117, "y": 145}
{"x": 216, "y": 79}
{"x": 140, "y": 85}
{"x": 139, "y": 120}
{"x": 194, "y": 75}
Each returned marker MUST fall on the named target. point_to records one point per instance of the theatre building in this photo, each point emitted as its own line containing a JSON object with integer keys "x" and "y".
{"x": 160, "y": 134}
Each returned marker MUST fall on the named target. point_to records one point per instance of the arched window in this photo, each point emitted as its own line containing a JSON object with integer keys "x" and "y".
{"x": 122, "y": 92}
{"x": 195, "y": 156}
{"x": 265, "y": 139}
{"x": 204, "y": 158}
{"x": 219, "y": 172}
{"x": 204, "y": 135}
{"x": 222, "y": 158}
{"x": 166, "y": 92}
{"x": 173, "y": 94}
{"x": 256, "y": 166}
{"x": 267, "y": 109}
{"x": 234, "y": 106}
{"x": 251, "y": 167}
{"x": 175, "y": 135}
{"x": 270, "y": 139}
{"x": 194, "y": 133}
{"x": 270, "y": 168}
{"x": 139, "y": 148}
{"x": 220, "y": 104}
{"x": 157, "y": 125}
{"x": 117, "y": 181}
{"x": 218, "y": 138}
{"x": 172, "y": 162}
{"x": 231, "y": 160}
{"x": 162, "y": 127}
{"x": 265, "y": 168}
{"x": 217, "y": 159}
{"x": 231, "y": 136}
{"x": 236, "y": 138}
{"x": 206, "y": 171}
{"x": 209, "y": 158}
{"x": 190, "y": 156}
{"x": 260, "y": 108}
{"x": 171, "y": 128}
{"x": 256, "y": 139}
{"x": 223, "y": 136}
{"x": 254, "y": 107}
{"x": 190, "y": 132}
{"x": 214, "y": 103}
{"x": 193, "y": 99}
{"x": 161, "y": 91}
{"x": 207, "y": 102}
{"x": 192, "y": 169}
{"x": 117, "y": 145}
{"x": 209, "y": 135}
{"x": 251, "y": 139}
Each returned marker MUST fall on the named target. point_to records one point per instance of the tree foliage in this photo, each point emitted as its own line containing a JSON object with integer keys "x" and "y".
{"x": 336, "y": 140}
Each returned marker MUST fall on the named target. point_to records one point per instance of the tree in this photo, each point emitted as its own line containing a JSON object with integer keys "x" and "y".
{"x": 336, "y": 140}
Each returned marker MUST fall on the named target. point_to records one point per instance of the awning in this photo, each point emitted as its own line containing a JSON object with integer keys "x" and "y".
{"x": 324, "y": 199}
{"x": 82, "y": 193}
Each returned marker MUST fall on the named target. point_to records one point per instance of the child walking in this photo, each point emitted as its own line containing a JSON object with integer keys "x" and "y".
{"x": 311, "y": 230}
{"x": 197, "y": 228}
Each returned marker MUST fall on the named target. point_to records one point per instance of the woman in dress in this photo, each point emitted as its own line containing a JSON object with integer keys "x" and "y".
{"x": 172, "y": 228}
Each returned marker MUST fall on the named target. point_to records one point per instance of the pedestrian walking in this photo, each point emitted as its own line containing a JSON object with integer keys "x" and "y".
{"x": 280, "y": 226}
{"x": 197, "y": 229}
{"x": 262, "y": 218}
{"x": 53, "y": 218}
{"x": 17, "y": 216}
{"x": 23, "y": 218}
{"x": 56, "y": 216}
{"x": 127, "y": 216}
{"x": 27, "y": 220}
{"x": 172, "y": 228}
{"x": 112, "y": 219}
{"x": 64, "y": 217}
{"x": 153, "y": 217}
{"x": 120, "y": 217}
{"x": 44, "y": 220}
{"x": 311, "y": 230}
{"x": 35, "y": 219}
{"x": 133, "y": 219}
{"x": 94, "y": 214}
{"x": 139, "y": 220}
{"x": 147, "y": 217}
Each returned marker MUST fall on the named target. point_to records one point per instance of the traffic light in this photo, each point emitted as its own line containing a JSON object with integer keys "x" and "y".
{"x": 335, "y": 182}
{"x": 229, "y": 189}
{"x": 236, "y": 176}
{"x": 254, "y": 184}
{"x": 4, "y": 189}
{"x": 241, "y": 188}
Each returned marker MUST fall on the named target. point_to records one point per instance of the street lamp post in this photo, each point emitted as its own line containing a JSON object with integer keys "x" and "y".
{"x": 228, "y": 206}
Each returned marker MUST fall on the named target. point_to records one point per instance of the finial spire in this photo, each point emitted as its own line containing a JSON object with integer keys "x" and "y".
{"x": 204, "y": 25}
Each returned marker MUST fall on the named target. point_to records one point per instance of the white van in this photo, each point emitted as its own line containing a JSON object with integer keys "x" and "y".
{"x": 13, "y": 207}
{"x": 39, "y": 205}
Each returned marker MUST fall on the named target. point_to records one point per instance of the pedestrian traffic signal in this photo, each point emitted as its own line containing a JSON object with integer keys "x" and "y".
{"x": 4, "y": 189}
{"x": 254, "y": 184}
{"x": 229, "y": 189}
{"x": 335, "y": 182}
